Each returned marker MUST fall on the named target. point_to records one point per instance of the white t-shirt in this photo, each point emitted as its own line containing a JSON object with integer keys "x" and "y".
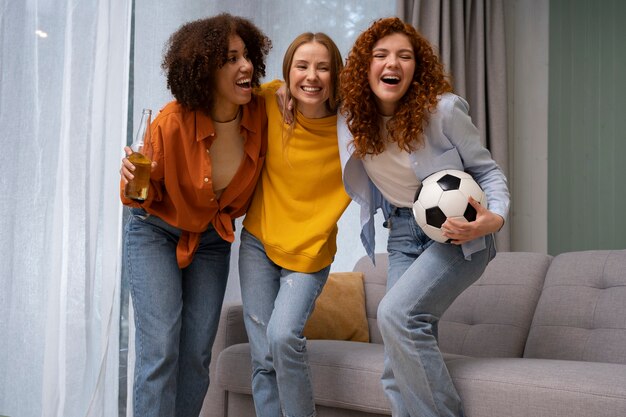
{"x": 391, "y": 172}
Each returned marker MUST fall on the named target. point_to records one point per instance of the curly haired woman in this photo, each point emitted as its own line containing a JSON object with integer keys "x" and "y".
{"x": 209, "y": 146}
{"x": 400, "y": 124}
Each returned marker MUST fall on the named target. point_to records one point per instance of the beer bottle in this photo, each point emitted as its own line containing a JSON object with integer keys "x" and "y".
{"x": 141, "y": 158}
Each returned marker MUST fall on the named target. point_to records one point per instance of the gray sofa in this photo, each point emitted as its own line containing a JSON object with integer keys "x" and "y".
{"x": 535, "y": 336}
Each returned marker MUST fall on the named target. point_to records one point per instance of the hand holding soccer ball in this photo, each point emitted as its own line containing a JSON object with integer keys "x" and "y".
{"x": 450, "y": 207}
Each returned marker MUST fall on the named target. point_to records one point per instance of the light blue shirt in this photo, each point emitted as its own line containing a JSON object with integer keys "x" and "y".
{"x": 451, "y": 141}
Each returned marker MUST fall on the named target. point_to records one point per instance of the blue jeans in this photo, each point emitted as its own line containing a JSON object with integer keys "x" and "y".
{"x": 176, "y": 315}
{"x": 277, "y": 302}
{"x": 424, "y": 278}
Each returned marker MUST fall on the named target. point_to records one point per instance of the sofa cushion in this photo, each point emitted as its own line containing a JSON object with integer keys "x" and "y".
{"x": 345, "y": 374}
{"x": 581, "y": 314}
{"x": 492, "y": 317}
{"x": 339, "y": 312}
{"x": 375, "y": 284}
{"x": 516, "y": 387}
{"x": 242, "y": 405}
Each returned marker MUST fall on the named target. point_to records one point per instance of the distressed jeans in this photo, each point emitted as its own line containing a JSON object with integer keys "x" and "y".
{"x": 424, "y": 278}
{"x": 176, "y": 315}
{"x": 277, "y": 303}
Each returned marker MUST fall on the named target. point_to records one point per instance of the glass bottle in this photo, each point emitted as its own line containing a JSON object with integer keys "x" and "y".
{"x": 141, "y": 158}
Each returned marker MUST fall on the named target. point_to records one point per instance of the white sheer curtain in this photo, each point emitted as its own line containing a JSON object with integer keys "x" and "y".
{"x": 63, "y": 101}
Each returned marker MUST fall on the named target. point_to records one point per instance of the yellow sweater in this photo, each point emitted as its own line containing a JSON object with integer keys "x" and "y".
{"x": 300, "y": 196}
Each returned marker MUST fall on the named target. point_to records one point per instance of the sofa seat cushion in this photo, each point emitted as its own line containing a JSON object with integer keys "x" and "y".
{"x": 345, "y": 374}
{"x": 501, "y": 387}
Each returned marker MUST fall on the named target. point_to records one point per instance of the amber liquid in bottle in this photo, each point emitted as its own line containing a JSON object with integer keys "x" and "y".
{"x": 137, "y": 188}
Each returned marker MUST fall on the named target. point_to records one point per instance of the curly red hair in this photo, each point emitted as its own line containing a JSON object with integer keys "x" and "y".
{"x": 406, "y": 127}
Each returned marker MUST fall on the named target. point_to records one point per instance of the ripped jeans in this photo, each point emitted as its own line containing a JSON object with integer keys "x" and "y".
{"x": 276, "y": 304}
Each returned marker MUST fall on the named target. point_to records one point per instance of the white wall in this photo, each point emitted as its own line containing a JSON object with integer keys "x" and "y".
{"x": 527, "y": 32}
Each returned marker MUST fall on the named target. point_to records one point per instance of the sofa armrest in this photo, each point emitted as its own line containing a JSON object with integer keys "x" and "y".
{"x": 231, "y": 331}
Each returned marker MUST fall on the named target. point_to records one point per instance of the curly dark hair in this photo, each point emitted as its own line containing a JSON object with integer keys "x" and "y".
{"x": 198, "y": 48}
{"x": 406, "y": 127}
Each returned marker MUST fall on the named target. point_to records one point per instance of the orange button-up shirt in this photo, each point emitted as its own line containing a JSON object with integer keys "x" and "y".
{"x": 181, "y": 188}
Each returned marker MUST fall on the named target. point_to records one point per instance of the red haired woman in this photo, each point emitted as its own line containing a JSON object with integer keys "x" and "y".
{"x": 400, "y": 124}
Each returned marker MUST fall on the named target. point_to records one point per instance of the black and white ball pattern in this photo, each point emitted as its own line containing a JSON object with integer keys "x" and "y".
{"x": 442, "y": 195}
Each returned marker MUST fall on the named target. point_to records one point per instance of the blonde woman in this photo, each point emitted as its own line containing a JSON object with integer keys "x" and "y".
{"x": 288, "y": 240}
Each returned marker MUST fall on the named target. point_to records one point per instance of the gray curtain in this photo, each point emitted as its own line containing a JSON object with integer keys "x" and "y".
{"x": 469, "y": 36}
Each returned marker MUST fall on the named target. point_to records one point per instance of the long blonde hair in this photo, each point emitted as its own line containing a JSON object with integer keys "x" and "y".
{"x": 336, "y": 65}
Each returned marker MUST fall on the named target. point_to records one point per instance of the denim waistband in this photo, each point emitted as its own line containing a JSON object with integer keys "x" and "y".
{"x": 154, "y": 220}
{"x": 401, "y": 211}
{"x": 142, "y": 215}
{"x": 397, "y": 212}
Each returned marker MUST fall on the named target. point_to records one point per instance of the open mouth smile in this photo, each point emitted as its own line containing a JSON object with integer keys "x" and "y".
{"x": 244, "y": 83}
{"x": 391, "y": 79}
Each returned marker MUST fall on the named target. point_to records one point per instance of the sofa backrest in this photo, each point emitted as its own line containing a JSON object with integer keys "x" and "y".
{"x": 375, "y": 282}
{"x": 581, "y": 314}
{"x": 491, "y": 318}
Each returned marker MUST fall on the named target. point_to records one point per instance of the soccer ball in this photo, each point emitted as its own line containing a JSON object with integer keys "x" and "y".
{"x": 445, "y": 194}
